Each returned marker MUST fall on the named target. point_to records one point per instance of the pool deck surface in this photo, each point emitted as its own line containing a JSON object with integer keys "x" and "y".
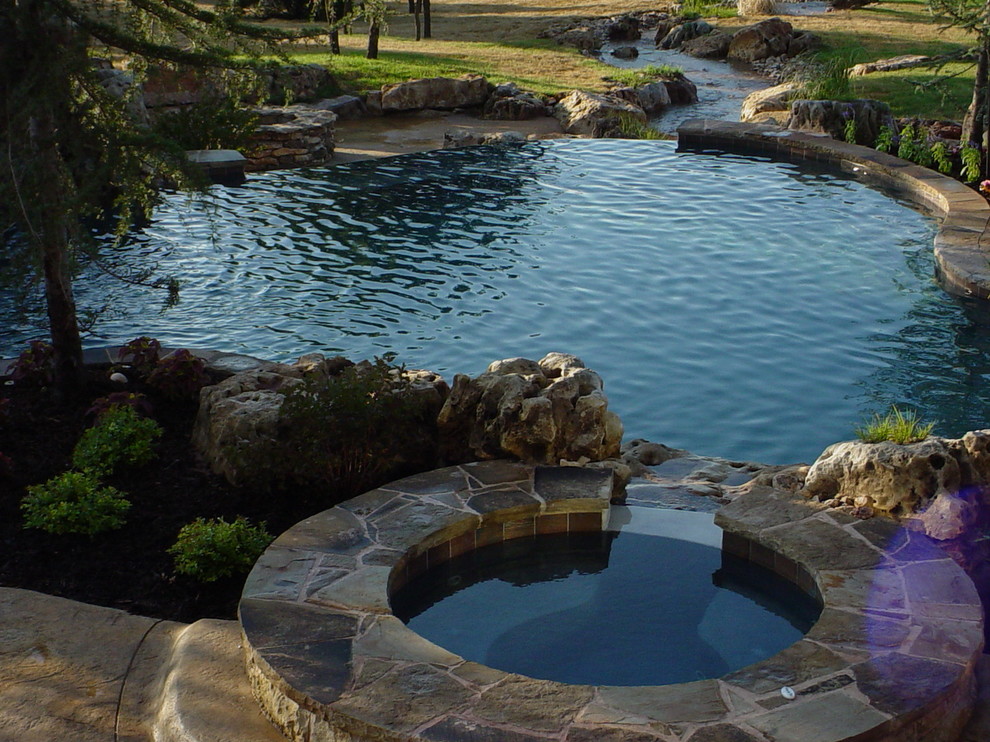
{"x": 81, "y": 673}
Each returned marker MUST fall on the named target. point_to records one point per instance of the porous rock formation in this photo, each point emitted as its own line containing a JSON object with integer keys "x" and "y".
{"x": 830, "y": 116}
{"x": 240, "y": 425}
{"x": 435, "y": 92}
{"x": 539, "y": 412}
{"x": 939, "y": 483}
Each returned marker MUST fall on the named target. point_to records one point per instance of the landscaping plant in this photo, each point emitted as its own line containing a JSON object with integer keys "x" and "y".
{"x": 120, "y": 437}
{"x": 208, "y": 550}
{"x": 141, "y": 354}
{"x": 74, "y": 502}
{"x": 896, "y": 426}
{"x": 34, "y": 366}
{"x": 179, "y": 375}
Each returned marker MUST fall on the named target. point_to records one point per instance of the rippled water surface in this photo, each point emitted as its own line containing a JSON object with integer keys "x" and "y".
{"x": 734, "y": 307}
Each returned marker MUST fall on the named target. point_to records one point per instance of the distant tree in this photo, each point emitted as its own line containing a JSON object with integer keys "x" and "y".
{"x": 70, "y": 150}
{"x": 972, "y": 16}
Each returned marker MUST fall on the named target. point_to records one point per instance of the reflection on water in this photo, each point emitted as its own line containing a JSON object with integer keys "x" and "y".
{"x": 734, "y": 307}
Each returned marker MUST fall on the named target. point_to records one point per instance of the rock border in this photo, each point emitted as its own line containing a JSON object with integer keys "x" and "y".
{"x": 962, "y": 261}
{"x": 892, "y": 657}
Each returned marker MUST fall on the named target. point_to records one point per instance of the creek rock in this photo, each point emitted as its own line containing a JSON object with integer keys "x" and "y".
{"x": 830, "y": 116}
{"x": 240, "y": 429}
{"x": 679, "y": 34}
{"x": 296, "y": 82}
{"x": 444, "y": 93}
{"x": 625, "y": 52}
{"x": 508, "y": 103}
{"x": 769, "y": 38}
{"x": 121, "y": 85}
{"x": 681, "y": 90}
{"x": 622, "y": 28}
{"x": 937, "y": 484}
{"x": 457, "y": 139}
{"x": 714, "y": 45}
{"x": 651, "y": 97}
{"x": 802, "y": 42}
{"x": 536, "y": 411}
{"x": 771, "y": 104}
{"x": 595, "y": 114}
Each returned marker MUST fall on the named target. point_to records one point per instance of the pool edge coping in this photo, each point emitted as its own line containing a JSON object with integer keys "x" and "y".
{"x": 962, "y": 264}
{"x": 327, "y": 660}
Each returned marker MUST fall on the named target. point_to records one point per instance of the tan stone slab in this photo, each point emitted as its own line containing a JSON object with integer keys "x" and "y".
{"x": 875, "y": 589}
{"x": 829, "y": 718}
{"x": 536, "y": 705}
{"x": 62, "y": 666}
{"x": 205, "y": 695}
{"x": 699, "y": 701}
{"x": 389, "y": 638}
{"x": 801, "y": 662}
{"x": 761, "y": 508}
{"x": 279, "y": 573}
{"x": 336, "y": 530}
{"x": 363, "y": 590}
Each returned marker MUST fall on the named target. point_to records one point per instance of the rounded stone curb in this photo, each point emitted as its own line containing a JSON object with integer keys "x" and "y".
{"x": 891, "y": 658}
{"x": 962, "y": 258}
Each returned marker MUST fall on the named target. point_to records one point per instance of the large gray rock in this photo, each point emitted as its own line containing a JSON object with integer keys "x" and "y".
{"x": 769, "y": 38}
{"x": 714, "y": 45}
{"x": 679, "y": 34}
{"x": 538, "y": 412}
{"x": 622, "y": 28}
{"x": 771, "y": 104}
{"x": 904, "y": 61}
{"x": 436, "y": 92}
{"x": 681, "y": 90}
{"x": 830, "y": 117}
{"x": 594, "y": 114}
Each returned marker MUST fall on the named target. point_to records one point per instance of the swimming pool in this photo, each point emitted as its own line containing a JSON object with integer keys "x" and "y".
{"x": 734, "y": 306}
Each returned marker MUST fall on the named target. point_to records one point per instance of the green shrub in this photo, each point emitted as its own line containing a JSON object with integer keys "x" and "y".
{"x": 629, "y": 127}
{"x": 120, "y": 437}
{"x": 824, "y": 80}
{"x": 210, "y": 549}
{"x": 896, "y": 426}
{"x": 35, "y": 365}
{"x": 179, "y": 375}
{"x": 74, "y": 502}
{"x": 217, "y": 123}
{"x": 349, "y": 430}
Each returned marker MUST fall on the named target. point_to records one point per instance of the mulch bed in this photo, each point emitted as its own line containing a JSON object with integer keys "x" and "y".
{"x": 127, "y": 568}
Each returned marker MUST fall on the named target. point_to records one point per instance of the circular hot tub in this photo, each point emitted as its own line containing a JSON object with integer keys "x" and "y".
{"x": 891, "y": 656}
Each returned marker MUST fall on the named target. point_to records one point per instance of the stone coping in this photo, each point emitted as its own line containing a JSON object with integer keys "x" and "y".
{"x": 962, "y": 259}
{"x": 891, "y": 658}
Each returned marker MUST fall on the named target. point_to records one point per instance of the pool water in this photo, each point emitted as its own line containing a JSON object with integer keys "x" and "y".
{"x": 733, "y": 306}
{"x": 613, "y": 608}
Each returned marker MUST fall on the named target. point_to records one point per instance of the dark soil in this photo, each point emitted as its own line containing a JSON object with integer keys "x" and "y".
{"x": 128, "y": 568}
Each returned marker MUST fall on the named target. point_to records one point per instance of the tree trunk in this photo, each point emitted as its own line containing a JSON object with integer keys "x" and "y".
{"x": 417, "y": 6}
{"x": 427, "y": 26}
{"x": 335, "y": 41}
{"x": 373, "y": 34}
{"x": 56, "y": 261}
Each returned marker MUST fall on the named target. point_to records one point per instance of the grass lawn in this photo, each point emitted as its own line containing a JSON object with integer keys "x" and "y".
{"x": 499, "y": 40}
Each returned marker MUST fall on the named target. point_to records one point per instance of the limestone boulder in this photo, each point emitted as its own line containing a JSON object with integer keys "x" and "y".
{"x": 443, "y": 93}
{"x": 237, "y": 425}
{"x": 241, "y": 429}
{"x": 898, "y": 479}
{"x": 714, "y": 45}
{"x": 535, "y": 411}
{"x": 830, "y": 117}
{"x": 756, "y": 7}
{"x": 651, "y": 97}
{"x": 769, "y": 38}
{"x": 595, "y": 114}
{"x": 771, "y": 104}
{"x": 904, "y": 61}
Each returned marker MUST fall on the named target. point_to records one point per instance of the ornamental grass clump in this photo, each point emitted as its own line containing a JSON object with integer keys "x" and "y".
{"x": 74, "y": 502}
{"x": 208, "y": 550}
{"x": 896, "y": 426}
{"x": 120, "y": 438}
